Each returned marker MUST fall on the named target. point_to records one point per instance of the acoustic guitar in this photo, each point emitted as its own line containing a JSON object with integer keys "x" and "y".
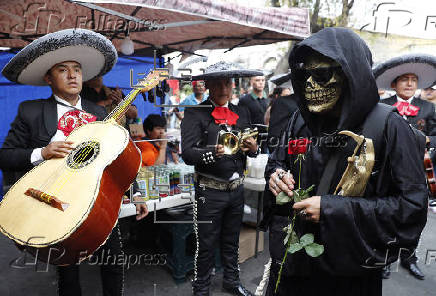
{"x": 64, "y": 209}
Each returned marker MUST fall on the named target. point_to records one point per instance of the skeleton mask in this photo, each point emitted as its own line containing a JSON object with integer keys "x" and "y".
{"x": 323, "y": 81}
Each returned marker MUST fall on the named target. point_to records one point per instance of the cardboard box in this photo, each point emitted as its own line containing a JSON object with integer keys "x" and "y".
{"x": 247, "y": 243}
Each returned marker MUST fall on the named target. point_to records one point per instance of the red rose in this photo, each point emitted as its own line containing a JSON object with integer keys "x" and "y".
{"x": 298, "y": 146}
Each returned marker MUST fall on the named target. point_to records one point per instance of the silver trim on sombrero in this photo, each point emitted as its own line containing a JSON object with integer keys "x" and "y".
{"x": 226, "y": 70}
{"x": 57, "y": 40}
{"x": 384, "y": 72}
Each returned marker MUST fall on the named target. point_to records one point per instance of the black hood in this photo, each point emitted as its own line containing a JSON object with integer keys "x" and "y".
{"x": 351, "y": 52}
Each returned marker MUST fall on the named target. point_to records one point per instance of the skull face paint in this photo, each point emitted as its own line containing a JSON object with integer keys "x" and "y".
{"x": 323, "y": 82}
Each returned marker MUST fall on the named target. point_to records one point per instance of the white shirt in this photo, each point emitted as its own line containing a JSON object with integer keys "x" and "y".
{"x": 402, "y": 100}
{"x": 216, "y": 105}
{"x": 36, "y": 156}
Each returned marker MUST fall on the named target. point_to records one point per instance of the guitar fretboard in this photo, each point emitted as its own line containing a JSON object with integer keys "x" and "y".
{"x": 152, "y": 80}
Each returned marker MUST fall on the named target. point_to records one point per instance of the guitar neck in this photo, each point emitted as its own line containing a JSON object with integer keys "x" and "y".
{"x": 152, "y": 80}
{"x": 123, "y": 106}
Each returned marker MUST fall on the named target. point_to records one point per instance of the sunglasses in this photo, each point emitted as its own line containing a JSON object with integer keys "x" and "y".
{"x": 319, "y": 75}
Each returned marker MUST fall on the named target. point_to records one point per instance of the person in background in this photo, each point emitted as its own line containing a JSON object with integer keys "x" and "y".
{"x": 429, "y": 94}
{"x": 405, "y": 74}
{"x": 108, "y": 98}
{"x": 277, "y": 93}
{"x": 198, "y": 96}
{"x": 132, "y": 115}
{"x": 153, "y": 152}
{"x": 173, "y": 152}
{"x": 101, "y": 94}
{"x": 257, "y": 101}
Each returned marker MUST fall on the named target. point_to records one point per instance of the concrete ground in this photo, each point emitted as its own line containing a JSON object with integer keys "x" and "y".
{"x": 156, "y": 280}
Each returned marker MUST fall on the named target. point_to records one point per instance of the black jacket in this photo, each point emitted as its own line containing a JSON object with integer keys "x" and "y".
{"x": 357, "y": 232}
{"x": 256, "y": 107}
{"x": 281, "y": 111}
{"x": 33, "y": 127}
{"x": 199, "y": 137}
{"x": 424, "y": 121}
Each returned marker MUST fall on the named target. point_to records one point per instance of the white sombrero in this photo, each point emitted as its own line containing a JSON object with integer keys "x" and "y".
{"x": 93, "y": 51}
{"x": 422, "y": 65}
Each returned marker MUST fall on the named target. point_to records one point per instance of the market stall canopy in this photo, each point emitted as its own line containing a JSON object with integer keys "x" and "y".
{"x": 169, "y": 25}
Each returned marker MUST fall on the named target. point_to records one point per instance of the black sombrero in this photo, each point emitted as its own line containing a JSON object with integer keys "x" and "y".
{"x": 226, "y": 70}
{"x": 282, "y": 80}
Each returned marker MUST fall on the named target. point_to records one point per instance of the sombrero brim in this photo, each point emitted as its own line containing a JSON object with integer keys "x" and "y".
{"x": 281, "y": 79}
{"x": 423, "y": 66}
{"x": 93, "y": 51}
{"x": 228, "y": 74}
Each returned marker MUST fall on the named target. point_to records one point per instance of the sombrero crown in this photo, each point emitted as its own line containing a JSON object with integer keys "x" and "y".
{"x": 93, "y": 51}
{"x": 422, "y": 65}
{"x": 226, "y": 70}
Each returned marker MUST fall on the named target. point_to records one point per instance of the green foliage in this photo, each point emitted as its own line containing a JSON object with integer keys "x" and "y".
{"x": 307, "y": 239}
{"x": 337, "y": 11}
{"x": 307, "y": 242}
{"x": 300, "y": 194}
{"x": 283, "y": 198}
{"x": 294, "y": 248}
{"x": 314, "y": 250}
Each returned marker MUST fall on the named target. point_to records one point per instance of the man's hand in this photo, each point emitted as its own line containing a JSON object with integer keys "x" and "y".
{"x": 141, "y": 211}
{"x": 249, "y": 144}
{"x": 219, "y": 150}
{"x": 281, "y": 181}
{"x": 116, "y": 95}
{"x": 162, "y": 144}
{"x": 310, "y": 208}
{"x": 58, "y": 149}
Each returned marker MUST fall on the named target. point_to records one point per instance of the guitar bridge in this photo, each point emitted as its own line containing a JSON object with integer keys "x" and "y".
{"x": 51, "y": 200}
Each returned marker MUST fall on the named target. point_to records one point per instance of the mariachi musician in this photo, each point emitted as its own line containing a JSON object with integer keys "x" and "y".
{"x": 219, "y": 176}
{"x": 61, "y": 60}
{"x": 405, "y": 74}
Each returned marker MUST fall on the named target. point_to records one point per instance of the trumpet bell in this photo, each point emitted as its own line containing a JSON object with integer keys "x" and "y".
{"x": 230, "y": 142}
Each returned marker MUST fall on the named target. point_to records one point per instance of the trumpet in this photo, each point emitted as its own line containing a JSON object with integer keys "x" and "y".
{"x": 232, "y": 141}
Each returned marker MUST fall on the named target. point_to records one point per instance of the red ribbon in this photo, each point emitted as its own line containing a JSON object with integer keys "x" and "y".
{"x": 224, "y": 115}
{"x": 72, "y": 119}
{"x": 405, "y": 108}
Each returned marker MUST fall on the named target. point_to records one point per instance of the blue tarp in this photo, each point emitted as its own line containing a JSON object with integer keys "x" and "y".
{"x": 13, "y": 94}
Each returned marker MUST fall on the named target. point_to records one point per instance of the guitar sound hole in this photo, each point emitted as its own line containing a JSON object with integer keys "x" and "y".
{"x": 83, "y": 154}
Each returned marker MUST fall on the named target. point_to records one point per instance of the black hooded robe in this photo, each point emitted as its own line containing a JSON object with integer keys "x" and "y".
{"x": 359, "y": 234}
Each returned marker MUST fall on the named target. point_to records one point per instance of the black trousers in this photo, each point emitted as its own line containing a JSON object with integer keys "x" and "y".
{"x": 111, "y": 270}
{"x": 224, "y": 209}
{"x": 317, "y": 284}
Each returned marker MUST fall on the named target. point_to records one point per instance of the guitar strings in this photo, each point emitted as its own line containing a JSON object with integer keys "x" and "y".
{"x": 115, "y": 114}
{"x": 80, "y": 156}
